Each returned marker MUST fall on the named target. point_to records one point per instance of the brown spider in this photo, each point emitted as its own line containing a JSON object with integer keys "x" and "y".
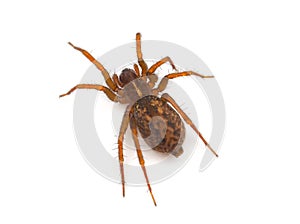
{"x": 166, "y": 134}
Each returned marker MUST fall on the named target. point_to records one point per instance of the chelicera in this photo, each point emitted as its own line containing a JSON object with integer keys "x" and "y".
{"x": 158, "y": 118}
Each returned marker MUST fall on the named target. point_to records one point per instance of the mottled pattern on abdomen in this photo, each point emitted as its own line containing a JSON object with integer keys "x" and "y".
{"x": 159, "y": 124}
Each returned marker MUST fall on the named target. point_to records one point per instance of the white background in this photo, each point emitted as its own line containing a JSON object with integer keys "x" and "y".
{"x": 252, "y": 47}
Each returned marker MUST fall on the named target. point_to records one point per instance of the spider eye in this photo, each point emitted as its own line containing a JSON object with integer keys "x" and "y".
{"x": 127, "y": 75}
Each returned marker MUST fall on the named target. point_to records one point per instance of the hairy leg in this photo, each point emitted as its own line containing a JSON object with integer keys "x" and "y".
{"x": 170, "y": 100}
{"x": 112, "y": 96}
{"x": 141, "y": 61}
{"x": 104, "y": 72}
{"x": 140, "y": 155}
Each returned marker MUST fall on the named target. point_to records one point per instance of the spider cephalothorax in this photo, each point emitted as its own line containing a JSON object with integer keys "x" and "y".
{"x": 127, "y": 75}
{"x": 158, "y": 119}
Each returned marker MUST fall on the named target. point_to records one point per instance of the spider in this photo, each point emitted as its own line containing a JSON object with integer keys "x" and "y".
{"x": 157, "y": 118}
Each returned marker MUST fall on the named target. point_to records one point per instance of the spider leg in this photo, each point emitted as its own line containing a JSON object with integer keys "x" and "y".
{"x": 150, "y": 73}
{"x": 153, "y": 68}
{"x": 116, "y": 80}
{"x": 187, "y": 73}
{"x": 104, "y": 72}
{"x": 152, "y": 80}
{"x": 112, "y": 96}
{"x": 141, "y": 61}
{"x": 137, "y": 70}
{"x": 164, "y": 82}
{"x": 170, "y": 100}
{"x": 140, "y": 154}
{"x": 123, "y": 129}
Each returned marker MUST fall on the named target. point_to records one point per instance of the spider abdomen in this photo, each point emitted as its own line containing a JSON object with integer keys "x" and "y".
{"x": 159, "y": 125}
